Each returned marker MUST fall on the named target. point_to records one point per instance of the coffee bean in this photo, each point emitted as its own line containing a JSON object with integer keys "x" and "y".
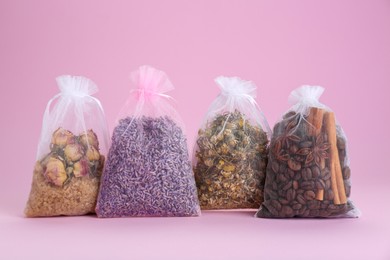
{"x": 309, "y": 173}
{"x": 333, "y": 207}
{"x": 288, "y": 115}
{"x": 287, "y": 186}
{"x": 341, "y": 143}
{"x": 290, "y": 194}
{"x": 295, "y": 185}
{"x": 294, "y": 165}
{"x": 329, "y": 195}
{"x": 276, "y": 204}
{"x": 297, "y": 206}
{"x": 281, "y": 193}
{"x": 316, "y": 172}
{"x": 301, "y": 211}
{"x": 320, "y": 184}
{"x": 323, "y": 205}
{"x": 342, "y": 158}
{"x": 281, "y": 178}
{"x": 301, "y": 199}
{"x": 283, "y": 201}
{"x": 346, "y": 173}
{"x": 290, "y": 173}
{"x": 297, "y": 176}
{"x": 347, "y": 190}
{"x": 272, "y": 210}
{"x": 282, "y": 168}
{"x": 313, "y": 204}
{"x": 326, "y": 174}
{"x": 287, "y": 211}
{"x": 310, "y": 195}
{"x": 308, "y": 185}
{"x": 323, "y": 213}
{"x": 328, "y": 184}
{"x": 306, "y": 213}
{"x": 314, "y": 212}
{"x": 304, "y": 174}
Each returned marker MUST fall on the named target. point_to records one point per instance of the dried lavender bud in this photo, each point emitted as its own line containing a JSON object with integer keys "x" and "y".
{"x": 148, "y": 172}
{"x": 66, "y": 181}
{"x": 230, "y": 163}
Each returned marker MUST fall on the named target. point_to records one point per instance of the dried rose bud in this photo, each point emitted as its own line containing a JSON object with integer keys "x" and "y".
{"x": 62, "y": 137}
{"x": 93, "y": 154}
{"x": 89, "y": 139}
{"x": 73, "y": 152}
{"x": 55, "y": 172}
{"x": 81, "y": 168}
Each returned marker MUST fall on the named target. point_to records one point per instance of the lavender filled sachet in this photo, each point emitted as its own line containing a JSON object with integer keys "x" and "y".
{"x": 148, "y": 171}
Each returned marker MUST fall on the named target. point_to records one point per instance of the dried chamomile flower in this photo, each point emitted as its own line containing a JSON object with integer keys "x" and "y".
{"x": 231, "y": 158}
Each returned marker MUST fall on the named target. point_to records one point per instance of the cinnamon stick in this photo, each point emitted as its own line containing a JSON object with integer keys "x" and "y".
{"x": 315, "y": 119}
{"x": 337, "y": 182}
{"x": 320, "y": 194}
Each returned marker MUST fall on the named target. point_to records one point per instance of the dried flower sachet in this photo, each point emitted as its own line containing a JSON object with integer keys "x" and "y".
{"x": 70, "y": 159}
{"x": 230, "y": 154}
{"x": 148, "y": 171}
{"x": 308, "y": 172}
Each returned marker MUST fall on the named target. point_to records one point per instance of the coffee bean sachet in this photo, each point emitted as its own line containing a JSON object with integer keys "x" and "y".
{"x": 308, "y": 173}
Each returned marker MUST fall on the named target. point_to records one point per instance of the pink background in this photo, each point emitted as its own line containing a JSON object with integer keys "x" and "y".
{"x": 341, "y": 45}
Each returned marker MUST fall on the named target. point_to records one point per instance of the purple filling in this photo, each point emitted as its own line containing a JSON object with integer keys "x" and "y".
{"x": 148, "y": 171}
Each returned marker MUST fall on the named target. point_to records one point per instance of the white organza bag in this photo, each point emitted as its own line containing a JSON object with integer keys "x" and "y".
{"x": 230, "y": 154}
{"x": 71, "y": 152}
{"x": 308, "y": 172}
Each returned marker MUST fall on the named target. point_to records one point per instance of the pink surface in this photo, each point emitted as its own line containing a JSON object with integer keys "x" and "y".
{"x": 341, "y": 45}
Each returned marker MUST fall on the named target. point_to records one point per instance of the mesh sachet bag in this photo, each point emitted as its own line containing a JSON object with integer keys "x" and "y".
{"x": 308, "y": 172}
{"x": 148, "y": 171}
{"x": 71, "y": 152}
{"x": 230, "y": 153}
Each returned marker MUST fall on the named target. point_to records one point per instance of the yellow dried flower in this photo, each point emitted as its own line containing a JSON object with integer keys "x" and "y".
{"x": 229, "y": 168}
{"x": 226, "y": 174}
{"x": 81, "y": 168}
{"x": 73, "y": 152}
{"x": 89, "y": 139}
{"x": 231, "y": 152}
{"x": 61, "y": 137}
{"x": 55, "y": 171}
{"x": 93, "y": 154}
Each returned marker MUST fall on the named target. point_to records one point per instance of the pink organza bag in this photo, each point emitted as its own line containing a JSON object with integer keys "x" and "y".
{"x": 148, "y": 171}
